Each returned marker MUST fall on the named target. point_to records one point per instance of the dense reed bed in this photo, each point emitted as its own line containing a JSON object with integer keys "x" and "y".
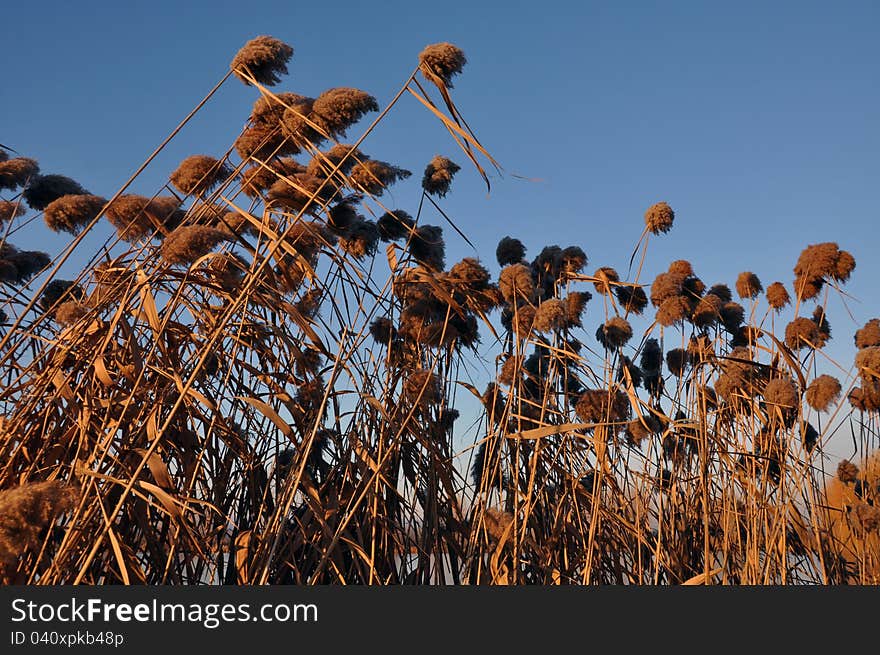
{"x": 260, "y": 379}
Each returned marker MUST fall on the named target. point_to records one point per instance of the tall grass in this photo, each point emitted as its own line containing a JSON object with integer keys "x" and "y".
{"x": 262, "y": 378}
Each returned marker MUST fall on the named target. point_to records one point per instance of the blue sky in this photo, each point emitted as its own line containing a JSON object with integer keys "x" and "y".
{"x": 757, "y": 122}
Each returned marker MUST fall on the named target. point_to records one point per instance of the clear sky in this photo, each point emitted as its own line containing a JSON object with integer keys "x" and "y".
{"x": 757, "y": 121}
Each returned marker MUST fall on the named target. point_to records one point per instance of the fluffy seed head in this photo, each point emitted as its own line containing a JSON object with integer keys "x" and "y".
{"x": 428, "y": 247}
{"x": 394, "y": 225}
{"x": 748, "y": 285}
{"x": 58, "y": 289}
{"x": 72, "y": 213}
{"x": 10, "y": 210}
{"x": 732, "y": 315}
{"x": 820, "y": 318}
{"x": 438, "y": 175}
{"x": 708, "y": 311}
{"x": 574, "y": 259}
{"x": 615, "y": 333}
{"x": 43, "y": 189}
{"x": 373, "y": 176}
{"x": 441, "y": 61}
{"x": 817, "y": 261}
{"x": 575, "y": 304}
{"x": 383, "y": 330}
{"x": 26, "y": 511}
{"x": 510, "y": 251}
{"x": 652, "y": 357}
{"x": 17, "y": 172}
{"x": 361, "y": 240}
{"x": 807, "y": 288}
{"x": 256, "y": 179}
{"x": 823, "y": 392}
{"x": 868, "y": 335}
{"x": 781, "y": 392}
{"x": 674, "y": 310}
{"x": 422, "y": 388}
{"x": 632, "y": 299}
{"x": 868, "y": 363}
{"x": 722, "y": 291}
{"x": 777, "y": 296}
{"x": 68, "y": 313}
{"x": 471, "y": 273}
{"x": 681, "y": 267}
{"x": 606, "y": 277}
{"x": 340, "y": 155}
{"x": 516, "y": 283}
{"x": 677, "y": 360}
{"x": 551, "y": 316}
{"x": 802, "y": 332}
{"x": 666, "y": 286}
{"x": 264, "y": 59}
{"x": 603, "y": 406}
{"x": 523, "y": 320}
{"x": 844, "y": 267}
{"x": 340, "y": 108}
{"x": 300, "y": 193}
{"x": 263, "y": 141}
{"x": 659, "y": 218}
{"x": 136, "y": 217}
{"x": 199, "y": 174}
{"x": 847, "y": 472}
{"x": 188, "y": 243}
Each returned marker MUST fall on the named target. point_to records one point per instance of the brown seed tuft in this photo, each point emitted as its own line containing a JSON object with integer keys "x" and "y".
{"x": 26, "y": 511}
{"x": 10, "y": 210}
{"x": 615, "y": 333}
{"x": 782, "y": 393}
{"x": 603, "y": 406}
{"x": 438, "y": 175}
{"x": 340, "y": 108}
{"x": 732, "y": 315}
{"x": 802, "y": 332}
{"x": 57, "y": 290}
{"x": 43, "y": 189}
{"x": 868, "y": 335}
{"x": 551, "y": 316}
{"x": 470, "y": 273}
{"x": 722, "y": 291}
{"x": 428, "y": 247}
{"x": 847, "y": 472}
{"x": 708, "y": 311}
{"x": 17, "y": 172}
{"x": 823, "y": 392}
{"x": 373, "y": 176}
{"x": 72, "y": 213}
{"x": 748, "y": 285}
{"x": 666, "y": 286}
{"x": 343, "y": 156}
{"x": 677, "y": 360}
{"x": 510, "y": 251}
{"x": 395, "y": 225}
{"x": 68, "y": 313}
{"x": 606, "y": 277}
{"x": 136, "y": 217}
{"x": 441, "y": 61}
{"x": 523, "y": 320}
{"x": 633, "y": 299}
{"x": 516, "y": 283}
{"x": 199, "y": 174}
{"x": 383, "y": 331}
{"x": 659, "y": 218}
{"x": 674, "y": 310}
{"x": 681, "y": 267}
{"x": 264, "y": 59}
{"x": 256, "y": 179}
{"x": 188, "y": 243}
{"x": 360, "y": 240}
{"x": 777, "y": 296}
{"x": 422, "y": 388}
{"x": 575, "y": 304}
